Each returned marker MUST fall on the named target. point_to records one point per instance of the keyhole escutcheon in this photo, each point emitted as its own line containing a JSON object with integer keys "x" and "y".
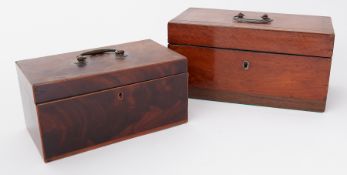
{"x": 120, "y": 96}
{"x": 245, "y": 64}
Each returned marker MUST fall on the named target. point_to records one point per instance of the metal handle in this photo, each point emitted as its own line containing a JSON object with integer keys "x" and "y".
{"x": 83, "y": 56}
{"x": 264, "y": 19}
{"x": 97, "y": 51}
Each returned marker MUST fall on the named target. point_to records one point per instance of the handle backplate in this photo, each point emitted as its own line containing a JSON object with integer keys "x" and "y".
{"x": 265, "y": 19}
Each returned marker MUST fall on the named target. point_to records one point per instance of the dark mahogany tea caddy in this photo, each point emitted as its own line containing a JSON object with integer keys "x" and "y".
{"x": 77, "y": 101}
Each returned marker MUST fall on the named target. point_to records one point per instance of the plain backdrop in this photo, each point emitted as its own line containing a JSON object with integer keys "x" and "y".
{"x": 220, "y": 138}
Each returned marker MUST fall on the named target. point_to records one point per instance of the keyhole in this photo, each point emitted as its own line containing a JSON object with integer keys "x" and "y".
{"x": 245, "y": 65}
{"x": 120, "y": 96}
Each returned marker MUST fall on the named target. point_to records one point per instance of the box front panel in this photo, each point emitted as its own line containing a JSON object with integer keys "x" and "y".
{"x": 276, "y": 80}
{"x": 78, "y": 123}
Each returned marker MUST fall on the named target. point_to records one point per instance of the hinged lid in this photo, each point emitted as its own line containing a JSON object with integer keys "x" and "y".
{"x": 271, "y": 32}
{"x": 61, "y": 76}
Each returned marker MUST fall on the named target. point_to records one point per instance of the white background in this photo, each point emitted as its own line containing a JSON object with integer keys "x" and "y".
{"x": 220, "y": 138}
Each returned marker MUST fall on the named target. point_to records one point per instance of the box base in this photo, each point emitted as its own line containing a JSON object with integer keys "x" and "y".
{"x": 277, "y": 102}
{"x": 116, "y": 140}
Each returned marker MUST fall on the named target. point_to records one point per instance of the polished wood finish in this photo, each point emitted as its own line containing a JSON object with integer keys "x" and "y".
{"x": 71, "y": 109}
{"x": 289, "y": 59}
{"x": 56, "y": 77}
{"x": 277, "y": 80}
{"x": 291, "y": 34}
{"x": 29, "y": 109}
{"x": 87, "y": 120}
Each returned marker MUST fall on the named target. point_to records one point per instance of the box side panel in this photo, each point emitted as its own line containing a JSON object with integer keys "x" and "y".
{"x": 297, "y": 43}
{"x": 29, "y": 109}
{"x": 277, "y": 80}
{"x": 84, "y": 122}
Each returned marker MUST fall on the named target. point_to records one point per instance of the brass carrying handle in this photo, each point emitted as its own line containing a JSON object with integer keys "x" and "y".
{"x": 83, "y": 56}
{"x": 264, "y": 19}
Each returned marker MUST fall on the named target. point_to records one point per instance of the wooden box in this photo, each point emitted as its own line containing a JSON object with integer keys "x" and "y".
{"x": 74, "y": 102}
{"x": 271, "y": 59}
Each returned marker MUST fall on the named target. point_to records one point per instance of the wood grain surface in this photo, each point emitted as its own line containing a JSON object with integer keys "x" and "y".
{"x": 57, "y": 77}
{"x": 290, "y": 34}
{"x": 29, "y": 109}
{"x": 71, "y": 108}
{"x": 278, "y": 80}
{"x": 88, "y": 120}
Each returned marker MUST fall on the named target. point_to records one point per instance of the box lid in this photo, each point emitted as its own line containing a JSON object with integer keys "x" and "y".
{"x": 61, "y": 76}
{"x": 290, "y": 34}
